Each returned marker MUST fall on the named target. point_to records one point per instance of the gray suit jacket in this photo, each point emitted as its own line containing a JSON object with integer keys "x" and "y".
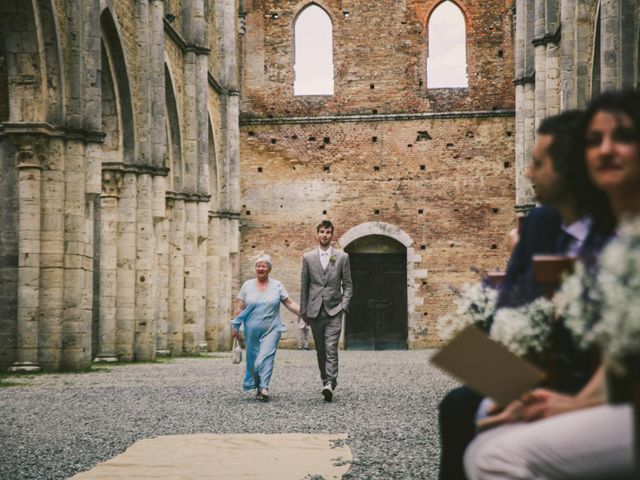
{"x": 331, "y": 288}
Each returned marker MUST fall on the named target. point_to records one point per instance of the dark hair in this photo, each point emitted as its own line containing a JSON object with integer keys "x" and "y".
{"x": 568, "y": 163}
{"x": 625, "y": 102}
{"x": 616, "y": 102}
{"x": 325, "y": 224}
{"x": 564, "y": 129}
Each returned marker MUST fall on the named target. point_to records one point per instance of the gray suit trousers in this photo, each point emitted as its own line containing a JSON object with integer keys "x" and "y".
{"x": 326, "y": 333}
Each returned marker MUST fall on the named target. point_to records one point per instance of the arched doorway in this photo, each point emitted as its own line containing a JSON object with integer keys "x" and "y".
{"x": 377, "y": 318}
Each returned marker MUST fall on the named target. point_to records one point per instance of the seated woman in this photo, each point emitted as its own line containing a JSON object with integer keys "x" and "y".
{"x": 259, "y": 310}
{"x": 551, "y": 435}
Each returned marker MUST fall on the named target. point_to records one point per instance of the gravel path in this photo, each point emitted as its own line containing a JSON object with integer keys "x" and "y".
{"x": 56, "y": 425}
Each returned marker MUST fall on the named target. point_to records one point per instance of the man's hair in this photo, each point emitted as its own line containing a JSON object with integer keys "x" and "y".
{"x": 325, "y": 224}
{"x": 564, "y": 129}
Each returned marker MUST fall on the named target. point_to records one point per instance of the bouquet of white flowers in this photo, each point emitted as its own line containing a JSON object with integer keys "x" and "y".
{"x": 618, "y": 281}
{"x": 525, "y": 329}
{"x": 475, "y": 305}
{"x": 578, "y": 302}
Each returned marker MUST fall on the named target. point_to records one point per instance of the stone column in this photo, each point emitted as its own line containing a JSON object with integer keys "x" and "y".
{"x": 111, "y": 186}
{"x": 126, "y": 284}
{"x": 76, "y": 328}
{"x": 553, "y": 79}
{"x": 213, "y": 318}
{"x": 203, "y": 234}
{"x": 29, "y": 160}
{"x": 525, "y": 100}
{"x": 191, "y": 277}
{"x": 158, "y": 107}
{"x": 540, "y": 61}
{"x": 176, "y": 216}
{"x": 552, "y": 37}
{"x": 616, "y": 44}
{"x": 161, "y": 264}
{"x": 144, "y": 345}
{"x": 568, "y": 94}
{"x": 52, "y": 257}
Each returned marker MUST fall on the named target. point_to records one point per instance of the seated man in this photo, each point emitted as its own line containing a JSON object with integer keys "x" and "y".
{"x": 562, "y": 227}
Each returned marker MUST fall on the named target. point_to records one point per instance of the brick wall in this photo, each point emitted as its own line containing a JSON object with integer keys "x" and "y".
{"x": 447, "y": 183}
{"x": 379, "y": 59}
{"x": 383, "y": 148}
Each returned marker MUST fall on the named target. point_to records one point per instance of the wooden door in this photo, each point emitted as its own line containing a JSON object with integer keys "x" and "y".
{"x": 377, "y": 318}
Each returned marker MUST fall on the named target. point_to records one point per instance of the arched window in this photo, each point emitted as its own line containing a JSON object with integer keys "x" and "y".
{"x": 447, "y": 56}
{"x": 313, "y": 52}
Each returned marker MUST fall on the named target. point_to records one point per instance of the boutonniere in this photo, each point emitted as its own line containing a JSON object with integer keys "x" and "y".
{"x": 332, "y": 259}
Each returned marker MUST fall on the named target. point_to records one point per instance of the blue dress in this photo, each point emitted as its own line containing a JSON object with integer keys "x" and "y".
{"x": 262, "y": 330}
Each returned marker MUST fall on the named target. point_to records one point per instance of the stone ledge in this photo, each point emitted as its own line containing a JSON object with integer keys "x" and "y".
{"x": 380, "y": 117}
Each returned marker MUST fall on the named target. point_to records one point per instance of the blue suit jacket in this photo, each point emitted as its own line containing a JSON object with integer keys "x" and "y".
{"x": 539, "y": 232}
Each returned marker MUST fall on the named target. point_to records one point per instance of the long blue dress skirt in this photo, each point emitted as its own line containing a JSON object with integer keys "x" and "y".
{"x": 263, "y": 328}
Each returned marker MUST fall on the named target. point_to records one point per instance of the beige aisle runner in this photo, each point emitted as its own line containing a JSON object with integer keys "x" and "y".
{"x": 233, "y": 456}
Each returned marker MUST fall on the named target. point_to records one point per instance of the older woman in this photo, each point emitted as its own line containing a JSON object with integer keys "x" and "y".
{"x": 577, "y": 436}
{"x": 259, "y": 310}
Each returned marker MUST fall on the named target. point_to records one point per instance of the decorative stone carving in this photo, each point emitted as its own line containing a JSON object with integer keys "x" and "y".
{"x": 111, "y": 183}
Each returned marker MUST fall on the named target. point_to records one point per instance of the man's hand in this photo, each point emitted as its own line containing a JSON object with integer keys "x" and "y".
{"x": 306, "y": 320}
{"x": 234, "y": 333}
{"x": 542, "y": 403}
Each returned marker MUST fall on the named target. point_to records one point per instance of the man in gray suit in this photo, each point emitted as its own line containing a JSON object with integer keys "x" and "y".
{"x": 324, "y": 294}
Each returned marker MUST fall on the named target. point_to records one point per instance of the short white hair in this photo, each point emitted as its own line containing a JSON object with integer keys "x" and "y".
{"x": 263, "y": 257}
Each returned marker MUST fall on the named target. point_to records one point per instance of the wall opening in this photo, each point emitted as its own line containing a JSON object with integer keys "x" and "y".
{"x": 447, "y": 54}
{"x": 313, "y": 64}
{"x": 377, "y": 318}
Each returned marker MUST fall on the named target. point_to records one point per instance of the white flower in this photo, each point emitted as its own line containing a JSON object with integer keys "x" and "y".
{"x": 475, "y": 305}
{"x": 618, "y": 331}
{"x": 578, "y": 304}
{"x": 524, "y": 329}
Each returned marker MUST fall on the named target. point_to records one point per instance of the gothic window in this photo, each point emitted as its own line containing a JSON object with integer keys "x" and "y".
{"x": 313, "y": 38}
{"x": 447, "y": 54}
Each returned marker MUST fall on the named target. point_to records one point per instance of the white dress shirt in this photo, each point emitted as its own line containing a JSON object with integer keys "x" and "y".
{"x": 579, "y": 230}
{"x": 324, "y": 257}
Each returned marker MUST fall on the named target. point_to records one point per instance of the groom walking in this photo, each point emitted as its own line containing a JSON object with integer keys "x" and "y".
{"x": 324, "y": 294}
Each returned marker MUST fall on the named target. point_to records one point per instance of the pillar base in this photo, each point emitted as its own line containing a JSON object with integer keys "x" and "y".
{"x": 163, "y": 353}
{"x": 106, "y": 359}
{"x": 25, "y": 367}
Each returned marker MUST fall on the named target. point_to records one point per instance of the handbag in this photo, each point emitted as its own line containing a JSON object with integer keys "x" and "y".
{"x": 236, "y": 351}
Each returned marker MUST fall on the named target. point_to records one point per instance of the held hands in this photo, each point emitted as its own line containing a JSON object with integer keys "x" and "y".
{"x": 535, "y": 405}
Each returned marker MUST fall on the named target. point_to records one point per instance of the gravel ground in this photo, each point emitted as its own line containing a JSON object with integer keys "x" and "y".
{"x": 56, "y": 425}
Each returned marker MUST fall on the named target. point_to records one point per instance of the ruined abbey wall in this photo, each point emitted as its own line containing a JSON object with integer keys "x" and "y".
{"x": 119, "y": 151}
{"x": 385, "y": 153}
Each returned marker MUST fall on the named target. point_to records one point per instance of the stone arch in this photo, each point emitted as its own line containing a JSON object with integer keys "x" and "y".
{"x": 415, "y": 275}
{"x": 304, "y": 87}
{"x": 375, "y": 228}
{"x": 174, "y": 139}
{"x": 29, "y": 38}
{"x": 438, "y": 64}
{"x": 53, "y": 59}
{"x": 114, "y": 72}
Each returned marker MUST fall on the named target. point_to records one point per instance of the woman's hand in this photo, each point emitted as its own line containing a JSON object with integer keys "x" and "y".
{"x": 510, "y": 414}
{"x": 234, "y": 333}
